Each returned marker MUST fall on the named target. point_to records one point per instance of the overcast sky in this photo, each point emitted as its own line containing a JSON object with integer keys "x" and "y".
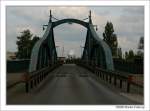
{"x": 128, "y": 25}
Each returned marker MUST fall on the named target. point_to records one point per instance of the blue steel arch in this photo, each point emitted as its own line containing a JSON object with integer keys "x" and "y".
{"x": 104, "y": 47}
{"x": 70, "y": 20}
{"x": 38, "y": 56}
{"x": 48, "y": 54}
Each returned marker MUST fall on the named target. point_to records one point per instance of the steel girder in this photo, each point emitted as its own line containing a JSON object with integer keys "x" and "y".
{"x": 44, "y": 51}
{"x": 95, "y": 49}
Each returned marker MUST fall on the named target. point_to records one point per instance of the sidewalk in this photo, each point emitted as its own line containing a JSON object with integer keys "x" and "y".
{"x": 136, "y": 94}
{"x": 134, "y": 97}
{"x": 13, "y": 78}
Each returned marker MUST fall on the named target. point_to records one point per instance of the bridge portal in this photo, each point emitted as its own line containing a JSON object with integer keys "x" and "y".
{"x": 95, "y": 50}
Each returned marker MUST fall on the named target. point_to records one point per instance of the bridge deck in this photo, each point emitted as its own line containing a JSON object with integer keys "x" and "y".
{"x": 68, "y": 84}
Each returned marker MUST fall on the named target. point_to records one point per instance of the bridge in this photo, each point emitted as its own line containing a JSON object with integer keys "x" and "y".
{"x": 89, "y": 80}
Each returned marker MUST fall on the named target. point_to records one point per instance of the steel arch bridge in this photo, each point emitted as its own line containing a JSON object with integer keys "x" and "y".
{"x": 95, "y": 50}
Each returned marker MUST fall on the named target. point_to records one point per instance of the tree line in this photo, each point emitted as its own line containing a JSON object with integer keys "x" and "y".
{"x": 111, "y": 39}
{"x": 26, "y": 41}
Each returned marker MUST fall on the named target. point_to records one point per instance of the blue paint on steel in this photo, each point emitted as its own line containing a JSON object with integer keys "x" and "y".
{"x": 105, "y": 48}
{"x": 70, "y": 20}
{"x": 37, "y": 56}
{"x": 36, "y": 50}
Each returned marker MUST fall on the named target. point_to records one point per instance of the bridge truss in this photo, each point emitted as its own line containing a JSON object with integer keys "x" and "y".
{"x": 95, "y": 51}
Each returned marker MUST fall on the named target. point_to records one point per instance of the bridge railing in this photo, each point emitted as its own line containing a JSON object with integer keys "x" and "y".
{"x": 113, "y": 77}
{"x": 34, "y": 78}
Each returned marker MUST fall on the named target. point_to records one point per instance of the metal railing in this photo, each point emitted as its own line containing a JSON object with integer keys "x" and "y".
{"x": 34, "y": 78}
{"x": 113, "y": 77}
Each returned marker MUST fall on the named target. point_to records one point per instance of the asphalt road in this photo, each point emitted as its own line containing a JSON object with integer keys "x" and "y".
{"x": 70, "y": 85}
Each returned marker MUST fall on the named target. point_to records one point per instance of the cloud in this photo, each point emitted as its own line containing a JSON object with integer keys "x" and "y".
{"x": 64, "y": 47}
{"x": 136, "y": 10}
{"x": 77, "y": 33}
{"x": 70, "y": 41}
{"x": 29, "y": 13}
{"x": 70, "y": 12}
{"x": 128, "y": 24}
{"x": 127, "y": 44}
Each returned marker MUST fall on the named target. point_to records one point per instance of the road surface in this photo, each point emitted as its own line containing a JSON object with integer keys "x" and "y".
{"x": 69, "y": 85}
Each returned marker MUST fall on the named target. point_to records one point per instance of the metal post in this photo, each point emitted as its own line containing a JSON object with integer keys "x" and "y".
{"x": 50, "y": 13}
{"x": 38, "y": 79}
{"x": 27, "y": 87}
{"x": 100, "y": 75}
{"x": 128, "y": 87}
{"x": 103, "y": 76}
{"x": 90, "y": 20}
{"x": 115, "y": 81}
{"x": 31, "y": 85}
{"x": 120, "y": 83}
{"x": 109, "y": 78}
{"x": 106, "y": 77}
{"x": 34, "y": 81}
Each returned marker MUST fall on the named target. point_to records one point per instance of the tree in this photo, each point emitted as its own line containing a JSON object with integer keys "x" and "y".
{"x": 129, "y": 56}
{"x": 25, "y": 44}
{"x": 120, "y": 53}
{"x": 126, "y": 55}
{"x": 110, "y": 38}
{"x": 141, "y": 47}
{"x": 34, "y": 40}
{"x": 141, "y": 43}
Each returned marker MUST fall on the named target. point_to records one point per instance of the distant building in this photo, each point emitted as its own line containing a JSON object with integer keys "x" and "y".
{"x": 11, "y": 55}
{"x": 62, "y": 59}
{"x": 71, "y": 54}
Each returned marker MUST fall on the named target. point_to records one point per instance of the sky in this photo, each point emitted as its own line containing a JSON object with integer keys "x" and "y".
{"x": 128, "y": 22}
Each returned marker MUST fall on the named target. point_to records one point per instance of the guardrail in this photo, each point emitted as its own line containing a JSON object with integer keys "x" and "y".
{"x": 34, "y": 78}
{"x": 113, "y": 77}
